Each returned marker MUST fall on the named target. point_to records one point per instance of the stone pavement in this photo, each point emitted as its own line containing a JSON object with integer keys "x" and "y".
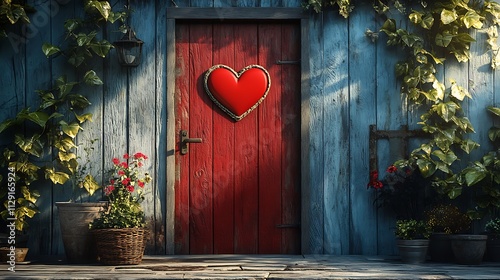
{"x": 254, "y": 267}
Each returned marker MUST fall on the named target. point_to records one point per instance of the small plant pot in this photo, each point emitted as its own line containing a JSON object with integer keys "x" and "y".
{"x": 493, "y": 249}
{"x": 19, "y": 255}
{"x": 413, "y": 251}
{"x": 468, "y": 248}
{"x": 440, "y": 247}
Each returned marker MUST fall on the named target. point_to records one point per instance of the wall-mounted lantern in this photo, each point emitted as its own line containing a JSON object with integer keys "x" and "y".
{"x": 129, "y": 49}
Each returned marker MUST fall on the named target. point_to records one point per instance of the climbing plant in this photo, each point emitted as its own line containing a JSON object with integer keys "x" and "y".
{"x": 436, "y": 30}
{"x": 42, "y": 141}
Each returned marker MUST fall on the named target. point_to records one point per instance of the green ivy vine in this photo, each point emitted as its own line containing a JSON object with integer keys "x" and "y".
{"x": 42, "y": 141}
{"x": 438, "y": 29}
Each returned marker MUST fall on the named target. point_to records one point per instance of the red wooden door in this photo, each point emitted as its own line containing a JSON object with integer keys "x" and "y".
{"x": 238, "y": 191}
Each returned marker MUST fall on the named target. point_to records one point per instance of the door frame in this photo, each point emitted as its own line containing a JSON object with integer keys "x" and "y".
{"x": 174, "y": 14}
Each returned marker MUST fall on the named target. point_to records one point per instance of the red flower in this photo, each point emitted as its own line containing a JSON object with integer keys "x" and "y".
{"x": 116, "y": 161}
{"x": 124, "y": 165}
{"x": 392, "y": 169}
{"x": 140, "y": 155}
{"x": 109, "y": 189}
{"x": 139, "y": 164}
{"x": 130, "y": 188}
{"x": 126, "y": 156}
{"x": 140, "y": 183}
{"x": 112, "y": 181}
{"x": 121, "y": 172}
{"x": 126, "y": 181}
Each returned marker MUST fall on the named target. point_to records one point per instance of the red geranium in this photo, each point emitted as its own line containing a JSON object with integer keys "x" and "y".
{"x": 403, "y": 190}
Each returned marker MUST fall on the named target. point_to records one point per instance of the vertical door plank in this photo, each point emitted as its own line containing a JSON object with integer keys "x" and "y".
{"x": 336, "y": 134}
{"x": 270, "y": 143}
{"x": 142, "y": 104}
{"x": 182, "y": 123}
{"x": 223, "y": 150}
{"x": 362, "y": 85}
{"x": 200, "y": 155}
{"x": 290, "y": 150}
{"x": 391, "y": 113}
{"x": 246, "y": 152}
{"x": 481, "y": 89}
{"x": 314, "y": 216}
{"x": 160, "y": 190}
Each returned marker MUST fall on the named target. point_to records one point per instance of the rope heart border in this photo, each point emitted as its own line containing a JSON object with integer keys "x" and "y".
{"x": 237, "y": 75}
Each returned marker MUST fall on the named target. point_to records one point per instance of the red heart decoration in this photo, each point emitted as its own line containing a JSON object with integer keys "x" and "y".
{"x": 237, "y": 94}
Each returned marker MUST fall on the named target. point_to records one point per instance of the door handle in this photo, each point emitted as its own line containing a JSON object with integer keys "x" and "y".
{"x": 185, "y": 140}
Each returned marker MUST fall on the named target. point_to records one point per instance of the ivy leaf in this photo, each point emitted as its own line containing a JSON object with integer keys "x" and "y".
{"x": 101, "y": 48}
{"x": 31, "y": 145}
{"x": 474, "y": 174}
{"x": 71, "y": 25}
{"x": 472, "y": 19}
{"x": 91, "y": 78}
{"x": 70, "y": 129}
{"x": 468, "y": 145}
{"x": 427, "y": 21}
{"x": 443, "y": 40}
{"x": 447, "y": 158}
{"x": 49, "y": 49}
{"x": 448, "y": 16}
{"x": 65, "y": 144}
{"x": 78, "y": 100}
{"x": 90, "y": 184}
{"x": 65, "y": 156}
{"x": 83, "y": 118}
{"x": 459, "y": 92}
{"x": 426, "y": 167}
{"x": 56, "y": 177}
{"x": 40, "y": 118}
{"x": 494, "y": 110}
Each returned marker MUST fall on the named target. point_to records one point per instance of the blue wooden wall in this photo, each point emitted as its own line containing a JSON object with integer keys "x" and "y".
{"x": 351, "y": 86}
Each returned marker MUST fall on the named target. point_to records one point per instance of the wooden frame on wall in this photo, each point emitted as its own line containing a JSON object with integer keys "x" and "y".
{"x": 174, "y": 14}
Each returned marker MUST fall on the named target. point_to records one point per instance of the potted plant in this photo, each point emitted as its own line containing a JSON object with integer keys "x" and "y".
{"x": 119, "y": 229}
{"x": 413, "y": 240}
{"x": 444, "y": 220}
{"x": 76, "y": 214}
{"x": 403, "y": 191}
{"x": 493, "y": 244}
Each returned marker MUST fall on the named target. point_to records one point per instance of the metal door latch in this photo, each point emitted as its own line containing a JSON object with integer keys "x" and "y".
{"x": 185, "y": 140}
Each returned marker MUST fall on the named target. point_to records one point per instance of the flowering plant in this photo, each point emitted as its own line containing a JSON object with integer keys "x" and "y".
{"x": 402, "y": 190}
{"x": 125, "y": 193}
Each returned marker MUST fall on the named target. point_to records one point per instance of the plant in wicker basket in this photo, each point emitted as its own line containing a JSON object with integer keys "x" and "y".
{"x": 119, "y": 229}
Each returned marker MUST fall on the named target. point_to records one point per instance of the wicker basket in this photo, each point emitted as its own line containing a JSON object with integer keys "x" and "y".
{"x": 118, "y": 246}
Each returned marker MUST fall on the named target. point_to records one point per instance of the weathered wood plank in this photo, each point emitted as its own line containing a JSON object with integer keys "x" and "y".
{"x": 142, "y": 108}
{"x": 290, "y": 126}
{"x": 224, "y": 151}
{"x": 269, "y": 114}
{"x": 246, "y": 154}
{"x": 335, "y": 134}
{"x": 481, "y": 88}
{"x": 160, "y": 180}
{"x": 200, "y": 156}
{"x": 362, "y": 84}
{"x": 171, "y": 140}
{"x": 181, "y": 105}
{"x": 236, "y": 13}
{"x": 313, "y": 216}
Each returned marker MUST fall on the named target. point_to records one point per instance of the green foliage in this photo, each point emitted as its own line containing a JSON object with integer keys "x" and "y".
{"x": 345, "y": 6}
{"x": 485, "y": 174}
{"x": 125, "y": 193}
{"x": 447, "y": 218}
{"x": 12, "y": 12}
{"x": 493, "y": 226}
{"x": 437, "y": 30}
{"x": 42, "y": 142}
{"x": 412, "y": 229}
